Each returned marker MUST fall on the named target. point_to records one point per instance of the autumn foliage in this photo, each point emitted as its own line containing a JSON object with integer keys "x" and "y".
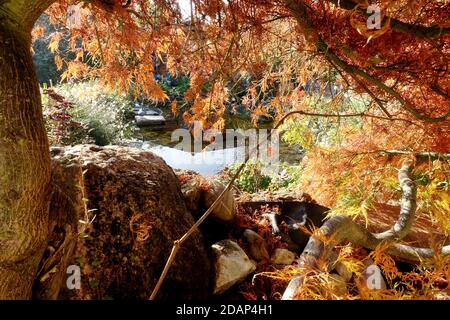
{"x": 402, "y": 68}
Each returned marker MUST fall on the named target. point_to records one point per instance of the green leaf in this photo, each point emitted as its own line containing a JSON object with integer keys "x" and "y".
{"x": 95, "y": 263}
{"x": 93, "y": 283}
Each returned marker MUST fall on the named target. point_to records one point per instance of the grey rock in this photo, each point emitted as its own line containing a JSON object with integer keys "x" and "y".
{"x": 372, "y": 277}
{"x": 232, "y": 265}
{"x": 225, "y": 210}
{"x": 283, "y": 257}
{"x": 256, "y": 245}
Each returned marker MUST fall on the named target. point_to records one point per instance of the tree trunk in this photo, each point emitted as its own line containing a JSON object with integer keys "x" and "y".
{"x": 25, "y": 165}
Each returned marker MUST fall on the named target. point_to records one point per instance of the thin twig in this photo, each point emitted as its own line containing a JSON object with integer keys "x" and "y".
{"x": 178, "y": 243}
{"x": 422, "y": 154}
{"x": 97, "y": 35}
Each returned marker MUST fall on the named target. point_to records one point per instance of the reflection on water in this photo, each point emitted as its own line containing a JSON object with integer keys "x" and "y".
{"x": 205, "y": 162}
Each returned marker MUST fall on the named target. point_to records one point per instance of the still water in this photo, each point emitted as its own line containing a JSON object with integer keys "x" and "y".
{"x": 205, "y": 162}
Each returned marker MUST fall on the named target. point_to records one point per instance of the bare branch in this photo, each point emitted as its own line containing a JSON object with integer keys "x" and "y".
{"x": 344, "y": 115}
{"x": 372, "y": 95}
{"x": 407, "y": 206}
{"x": 424, "y": 155}
{"x": 330, "y": 55}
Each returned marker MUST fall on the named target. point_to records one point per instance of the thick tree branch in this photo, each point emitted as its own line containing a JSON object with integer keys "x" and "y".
{"x": 344, "y": 115}
{"x": 300, "y": 13}
{"x": 345, "y": 229}
{"x": 424, "y": 155}
{"x": 418, "y": 31}
{"x": 342, "y": 228}
{"x": 22, "y": 14}
{"x": 371, "y": 94}
{"x": 407, "y": 206}
{"x": 330, "y": 55}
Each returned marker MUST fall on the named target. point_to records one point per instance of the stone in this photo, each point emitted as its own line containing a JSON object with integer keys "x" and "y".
{"x": 190, "y": 188}
{"x": 342, "y": 270}
{"x": 232, "y": 265}
{"x": 256, "y": 245}
{"x": 132, "y": 210}
{"x": 225, "y": 210}
{"x": 283, "y": 257}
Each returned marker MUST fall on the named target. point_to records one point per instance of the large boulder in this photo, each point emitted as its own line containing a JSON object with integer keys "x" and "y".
{"x": 131, "y": 210}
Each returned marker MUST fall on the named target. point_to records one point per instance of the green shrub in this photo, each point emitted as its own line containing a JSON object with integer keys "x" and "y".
{"x": 255, "y": 177}
{"x": 175, "y": 88}
{"x": 103, "y": 111}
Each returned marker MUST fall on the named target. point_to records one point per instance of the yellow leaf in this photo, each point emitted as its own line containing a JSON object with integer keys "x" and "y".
{"x": 54, "y": 43}
{"x": 58, "y": 62}
{"x": 174, "y": 107}
{"x": 80, "y": 55}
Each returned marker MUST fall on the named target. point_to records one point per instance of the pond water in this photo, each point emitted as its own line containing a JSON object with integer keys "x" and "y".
{"x": 205, "y": 162}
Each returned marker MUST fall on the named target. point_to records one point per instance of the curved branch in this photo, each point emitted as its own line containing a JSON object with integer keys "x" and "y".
{"x": 408, "y": 206}
{"x": 344, "y": 115}
{"x": 345, "y": 229}
{"x": 331, "y": 56}
{"x": 371, "y": 94}
{"x": 342, "y": 228}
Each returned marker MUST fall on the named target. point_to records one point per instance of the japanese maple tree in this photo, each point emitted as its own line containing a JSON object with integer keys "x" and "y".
{"x": 402, "y": 65}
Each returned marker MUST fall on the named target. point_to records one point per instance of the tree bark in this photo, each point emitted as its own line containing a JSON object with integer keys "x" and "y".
{"x": 25, "y": 165}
